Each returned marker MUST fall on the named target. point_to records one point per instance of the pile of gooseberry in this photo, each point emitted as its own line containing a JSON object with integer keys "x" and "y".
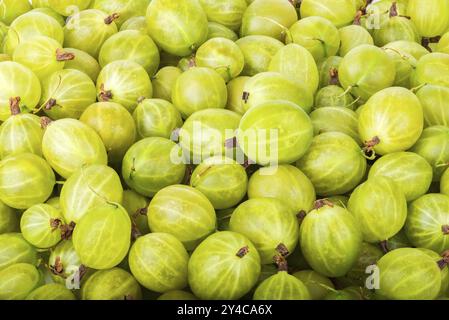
{"x": 224, "y": 149}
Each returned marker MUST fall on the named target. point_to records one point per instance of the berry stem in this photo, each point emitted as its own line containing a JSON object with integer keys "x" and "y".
{"x": 242, "y": 252}
{"x": 14, "y": 105}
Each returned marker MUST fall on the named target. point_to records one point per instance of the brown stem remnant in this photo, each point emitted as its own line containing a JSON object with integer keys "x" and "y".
{"x": 55, "y": 224}
{"x": 242, "y": 252}
{"x": 14, "y": 105}
{"x": 281, "y": 263}
{"x": 322, "y": 203}
{"x": 57, "y": 269}
{"x": 445, "y": 229}
{"x": 61, "y": 55}
{"x": 427, "y": 41}
{"x": 444, "y": 262}
{"x": 67, "y": 230}
{"x": 50, "y": 104}
{"x": 282, "y": 250}
{"x": 394, "y": 10}
{"x": 245, "y": 96}
{"x": 358, "y": 18}
{"x": 135, "y": 232}
{"x": 369, "y": 146}
{"x": 141, "y": 212}
{"x": 301, "y": 216}
{"x": 105, "y": 95}
{"x": 45, "y": 122}
{"x": 296, "y": 3}
{"x": 384, "y": 246}
{"x": 333, "y": 74}
{"x": 110, "y": 19}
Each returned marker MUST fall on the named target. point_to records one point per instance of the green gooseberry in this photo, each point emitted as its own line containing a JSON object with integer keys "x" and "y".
{"x": 188, "y": 23}
{"x": 235, "y": 94}
{"x": 124, "y": 8}
{"x": 334, "y": 163}
{"x": 333, "y": 96}
{"x": 21, "y": 133}
{"x": 225, "y": 266}
{"x": 222, "y": 180}
{"x": 433, "y": 145}
{"x": 297, "y": 63}
{"x": 275, "y": 132}
{"x": 9, "y": 219}
{"x": 268, "y": 86}
{"x": 442, "y": 263}
{"x": 198, "y": 89}
{"x": 136, "y": 205}
{"x": 225, "y": 12}
{"x": 112, "y": 284}
{"x": 428, "y": 222}
{"x": 131, "y": 45}
{"x": 222, "y": 55}
{"x": 319, "y": 286}
{"x": 149, "y": 166}
{"x": 418, "y": 279}
{"x": 287, "y": 184}
{"x": 89, "y": 187}
{"x": 102, "y": 237}
{"x": 217, "y": 30}
{"x": 364, "y": 79}
{"x": 40, "y": 225}
{"x": 282, "y": 286}
{"x": 65, "y": 264}
{"x": 66, "y": 7}
{"x": 269, "y": 18}
{"x": 206, "y": 132}
{"x": 434, "y": 100}
{"x": 269, "y": 225}
{"x": 380, "y": 128}
{"x": 124, "y": 82}
{"x": 22, "y": 173}
{"x": 412, "y": 48}
{"x": 332, "y": 253}
{"x": 87, "y": 30}
{"x": 164, "y": 82}
{"x": 341, "y": 201}
{"x": 83, "y": 62}
{"x": 136, "y": 23}
{"x": 328, "y": 71}
{"x": 258, "y": 52}
{"x": 18, "y": 280}
{"x": 69, "y": 144}
{"x": 177, "y": 295}
{"x": 339, "y": 12}
{"x": 54, "y": 202}
{"x": 11, "y": 9}
{"x": 51, "y": 292}
{"x": 411, "y": 172}
{"x": 183, "y": 212}
{"x": 430, "y": 17}
{"x": 114, "y": 124}
{"x": 52, "y": 13}
{"x": 156, "y": 118}
{"x": 67, "y": 93}
{"x": 20, "y": 88}
{"x": 351, "y": 293}
{"x": 336, "y": 119}
{"x": 380, "y": 208}
{"x": 431, "y": 69}
{"x": 159, "y": 262}
{"x": 15, "y": 249}
{"x": 316, "y": 34}
{"x": 353, "y": 36}
{"x": 405, "y": 64}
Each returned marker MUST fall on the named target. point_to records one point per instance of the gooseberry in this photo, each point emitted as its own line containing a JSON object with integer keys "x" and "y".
{"x": 339, "y": 12}
{"x": 83, "y": 62}
{"x": 434, "y": 100}
{"x": 216, "y": 30}
{"x": 51, "y": 292}
{"x": 9, "y": 221}
{"x": 18, "y": 280}
{"x": 430, "y": 17}
{"x": 67, "y": 7}
{"x": 318, "y": 285}
{"x": 353, "y": 36}
{"x": 333, "y": 96}
{"x": 65, "y": 264}
{"x": 11, "y": 9}
{"x": 164, "y": 82}
{"x": 282, "y": 286}
{"x": 224, "y": 12}
{"x": 15, "y": 249}
{"x": 124, "y": 8}
{"x": 431, "y": 69}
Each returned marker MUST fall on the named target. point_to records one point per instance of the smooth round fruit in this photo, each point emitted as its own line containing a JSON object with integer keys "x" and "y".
{"x": 222, "y": 55}
{"x": 9, "y": 219}
{"x": 188, "y": 25}
{"x": 430, "y": 17}
{"x": 416, "y": 50}
{"x": 225, "y": 12}
{"x": 183, "y": 212}
{"x": 25, "y": 180}
{"x": 112, "y": 284}
{"x": 21, "y": 133}
{"x": 216, "y": 30}
{"x": 404, "y": 61}
{"x": 40, "y": 225}
{"x": 433, "y": 145}
{"x": 114, "y": 125}
{"x": 102, "y": 237}
{"x": 432, "y": 69}
{"x": 269, "y": 18}
{"x": 353, "y": 36}
{"x": 380, "y": 208}
{"x": 20, "y": 86}
{"x": 69, "y": 144}
{"x": 419, "y": 278}
{"x": 380, "y": 127}
{"x": 444, "y": 270}
{"x": 17, "y": 281}
{"x": 67, "y": 93}
{"x": 334, "y": 163}
{"x": 316, "y": 283}
{"x": 225, "y": 266}
{"x": 52, "y": 13}
{"x": 177, "y": 295}
{"x": 396, "y": 28}
{"x": 267, "y": 86}
{"x": 124, "y": 8}
{"x": 15, "y": 249}
{"x": 156, "y": 118}
{"x": 428, "y": 222}
{"x": 222, "y": 180}
{"x": 89, "y": 187}
{"x": 328, "y": 71}
{"x": 159, "y": 262}
{"x": 287, "y": 184}
{"x": 411, "y": 172}
{"x": 136, "y": 23}
{"x": 364, "y": 79}
{"x": 297, "y": 63}
{"x": 316, "y": 34}
{"x": 133, "y": 46}
{"x": 51, "y": 292}
{"x": 136, "y": 205}
{"x": 199, "y": 89}
{"x": 330, "y": 253}
{"x": 434, "y": 100}
{"x": 276, "y": 132}
{"x": 124, "y": 82}
{"x": 235, "y": 94}
{"x": 205, "y": 134}
{"x": 339, "y": 12}
{"x": 11, "y": 9}
{"x": 164, "y": 82}
{"x": 258, "y": 52}
{"x": 282, "y": 286}
{"x": 333, "y": 96}
{"x": 65, "y": 264}
{"x": 67, "y": 7}
{"x": 83, "y": 62}
{"x": 87, "y": 30}
{"x": 153, "y": 164}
